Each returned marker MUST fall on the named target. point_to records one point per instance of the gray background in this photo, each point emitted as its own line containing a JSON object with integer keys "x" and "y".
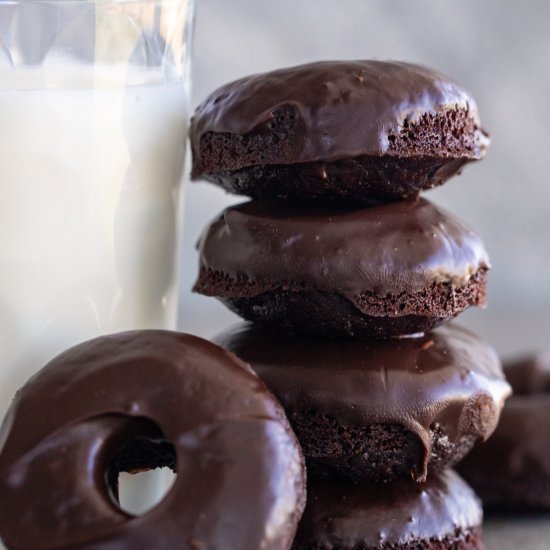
{"x": 497, "y": 49}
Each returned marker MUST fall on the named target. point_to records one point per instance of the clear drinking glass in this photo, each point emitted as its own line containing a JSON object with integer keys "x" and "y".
{"x": 94, "y": 100}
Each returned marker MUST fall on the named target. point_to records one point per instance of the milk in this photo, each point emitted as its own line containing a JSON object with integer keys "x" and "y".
{"x": 89, "y": 208}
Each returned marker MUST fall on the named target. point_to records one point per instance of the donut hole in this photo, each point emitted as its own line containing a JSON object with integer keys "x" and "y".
{"x": 142, "y": 471}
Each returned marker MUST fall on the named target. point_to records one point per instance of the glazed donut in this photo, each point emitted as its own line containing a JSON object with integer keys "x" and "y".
{"x": 353, "y": 132}
{"x": 384, "y": 409}
{"x": 379, "y": 272}
{"x": 442, "y": 514}
{"x": 139, "y": 400}
{"x": 511, "y": 472}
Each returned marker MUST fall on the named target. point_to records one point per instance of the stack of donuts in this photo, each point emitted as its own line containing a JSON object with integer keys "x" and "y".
{"x": 347, "y": 278}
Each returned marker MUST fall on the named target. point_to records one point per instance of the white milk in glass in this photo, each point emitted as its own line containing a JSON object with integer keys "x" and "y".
{"x": 89, "y": 204}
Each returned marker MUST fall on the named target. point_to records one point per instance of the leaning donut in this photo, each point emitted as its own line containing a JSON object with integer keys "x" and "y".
{"x": 138, "y": 400}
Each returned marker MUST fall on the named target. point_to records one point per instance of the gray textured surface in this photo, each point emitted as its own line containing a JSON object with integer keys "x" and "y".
{"x": 519, "y": 533}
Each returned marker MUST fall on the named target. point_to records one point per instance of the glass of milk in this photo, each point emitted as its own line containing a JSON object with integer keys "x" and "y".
{"x": 94, "y": 102}
{"x": 94, "y": 99}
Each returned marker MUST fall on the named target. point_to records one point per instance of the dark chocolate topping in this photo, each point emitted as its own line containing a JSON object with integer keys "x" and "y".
{"x": 385, "y": 250}
{"x": 367, "y": 516}
{"x": 240, "y": 473}
{"x": 340, "y": 109}
{"x": 448, "y": 377}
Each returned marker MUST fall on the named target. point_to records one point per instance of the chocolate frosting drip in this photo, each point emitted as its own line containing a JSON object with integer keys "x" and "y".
{"x": 341, "y": 108}
{"x": 67, "y": 423}
{"x": 389, "y": 249}
{"x": 448, "y": 377}
{"x": 367, "y": 516}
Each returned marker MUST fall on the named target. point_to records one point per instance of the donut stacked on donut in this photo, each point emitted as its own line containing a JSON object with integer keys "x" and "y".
{"x": 322, "y": 148}
{"x": 379, "y": 410}
{"x": 378, "y": 272}
{"x": 345, "y": 274}
{"x": 380, "y": 423}
{"x": 337, "y": 132}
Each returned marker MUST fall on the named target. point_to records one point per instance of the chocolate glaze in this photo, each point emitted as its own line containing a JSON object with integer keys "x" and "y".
{"x": 342, "y": 108}
{"x": 519, "y": 451}
{"x": 448, "y": 377}
{"x": 384, "y": 250}
{"x": 368, "y": 516}
{"x": 240, "y": 476}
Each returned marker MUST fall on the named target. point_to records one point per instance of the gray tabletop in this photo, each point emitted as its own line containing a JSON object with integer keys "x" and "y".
{"x": 517, "y": 533}
{"x": 532, "y": 533}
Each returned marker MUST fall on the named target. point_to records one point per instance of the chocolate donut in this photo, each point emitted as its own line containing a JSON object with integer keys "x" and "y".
{"x": 382, "y": 409}
{"x": 345, "y": 131}
{"x": 442, "y": 514}
{"x": 511, "y": 472}
{"x": 139, "y": 400}
{"x": 383, "y": 271}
